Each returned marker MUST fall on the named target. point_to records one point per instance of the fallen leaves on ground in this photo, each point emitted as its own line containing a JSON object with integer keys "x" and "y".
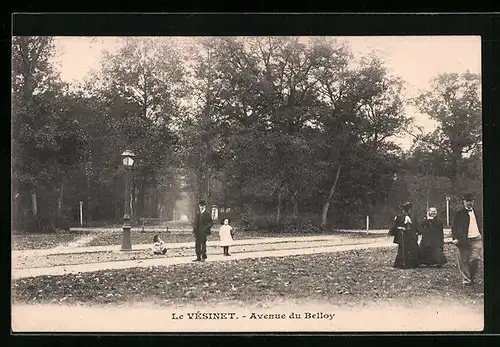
{"x": 41, "y": 241}
{"x": 341, "y": 277}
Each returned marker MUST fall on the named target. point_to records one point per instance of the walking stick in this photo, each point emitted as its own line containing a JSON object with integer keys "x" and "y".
{"x": 406, "y": 227}
{"x": 403, "y": 247}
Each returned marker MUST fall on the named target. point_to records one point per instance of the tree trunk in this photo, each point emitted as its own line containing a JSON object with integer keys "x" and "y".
{"x": 141, "y": 201}
{"x": 133, "y": 203}
{"x": 155, "y": 205}
{"x": 326, "y": 206}
{"x": 456, "y": 158}
{"x": 150, "y": 204}
{"x": 118, "y": 206}
{"x": 15, "y": 203}
{"x": 280, "y": 205}
{"x": 208, "y": 183}
{"x": 159, "y": 210}
{"x": 241, "y": 182}
{"x": 296, "y": 204}
{"x": 158, "y": 205}
{"x": 60, "y": 202}
{"x": 147, "y": 209}
{"x": 34, "y": 206}
{"x": 89, "y": 199}
{"x": 324, "y": 214}
{"x": 25, "y": 212}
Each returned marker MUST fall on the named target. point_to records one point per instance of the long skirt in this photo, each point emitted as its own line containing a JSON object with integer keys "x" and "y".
{"x": 407, "y": 256}
{"x": 431, "y": 254}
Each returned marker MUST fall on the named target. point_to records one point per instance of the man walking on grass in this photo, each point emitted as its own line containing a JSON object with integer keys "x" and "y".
{"x": 202, "y": 224}
{"x": 466, "y": 233}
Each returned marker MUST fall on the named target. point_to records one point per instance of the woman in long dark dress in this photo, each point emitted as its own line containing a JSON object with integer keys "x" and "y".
{"x": 405, "y": 232}
{"x": 431, "y": 245}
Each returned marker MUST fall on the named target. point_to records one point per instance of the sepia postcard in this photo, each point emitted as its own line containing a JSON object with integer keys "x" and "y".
{"x": 246, "y": 184}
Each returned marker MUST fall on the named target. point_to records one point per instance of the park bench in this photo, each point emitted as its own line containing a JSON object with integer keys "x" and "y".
{"x": 148, "y": 221}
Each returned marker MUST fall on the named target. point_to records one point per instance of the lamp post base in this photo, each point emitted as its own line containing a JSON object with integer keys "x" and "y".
{"x": 126, "y": 242}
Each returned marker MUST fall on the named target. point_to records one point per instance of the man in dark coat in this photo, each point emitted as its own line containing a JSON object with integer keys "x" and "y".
{"x": 202, "y": 228}
{"x": 467, "y": 235}
{"x": 405, "y": 230}
{"x": 431, "y": 245}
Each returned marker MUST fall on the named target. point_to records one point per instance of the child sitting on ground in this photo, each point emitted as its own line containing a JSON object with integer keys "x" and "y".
{"x": 158, "y": 245}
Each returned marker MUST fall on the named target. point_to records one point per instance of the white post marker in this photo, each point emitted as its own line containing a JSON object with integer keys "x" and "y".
{"x": 367, "y": 224}
{"x": 215, "y": 213}
{"x": 448, "y": 211}
{"x": 81, "y": 213}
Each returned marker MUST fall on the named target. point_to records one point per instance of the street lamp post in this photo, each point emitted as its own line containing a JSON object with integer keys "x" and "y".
{"x": 128, "y": 163}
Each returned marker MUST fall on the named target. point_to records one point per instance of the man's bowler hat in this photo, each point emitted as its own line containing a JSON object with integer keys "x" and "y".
{"x": 468, "y": 196}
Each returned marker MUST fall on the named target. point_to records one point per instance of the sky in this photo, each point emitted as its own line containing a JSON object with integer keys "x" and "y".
{"x": 416, "y": 59}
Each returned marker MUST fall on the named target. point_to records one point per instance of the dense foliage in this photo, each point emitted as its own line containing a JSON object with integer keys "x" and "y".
{"x": 289, "y": 134}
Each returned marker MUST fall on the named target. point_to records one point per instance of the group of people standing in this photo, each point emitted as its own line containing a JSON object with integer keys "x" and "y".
{"x": 466, "y": 234}
{"x": 407, "y": 230}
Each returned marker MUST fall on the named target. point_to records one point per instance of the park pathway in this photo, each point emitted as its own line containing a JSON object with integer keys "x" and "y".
{"x": 75, "y": 249}
{"x": 265, "y": 247}
{"x": 69, "y": 247}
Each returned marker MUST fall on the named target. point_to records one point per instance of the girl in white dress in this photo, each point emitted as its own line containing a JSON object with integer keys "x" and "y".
{"x": 226, "y": 233}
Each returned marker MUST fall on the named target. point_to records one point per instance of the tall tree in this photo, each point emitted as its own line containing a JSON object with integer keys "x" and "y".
{"x": 47, "y": 139}
{"x": 363, "y": 109}
{"x": 142, "y": 84}
{"x": 277, "y": 98}
{"x": 454, "y": 102}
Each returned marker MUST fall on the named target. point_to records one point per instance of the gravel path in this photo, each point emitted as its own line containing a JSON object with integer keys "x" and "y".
{"x": 76, "y": 244}
{"x": 190, "y": 244}
{"x": 166, "y": 261}
{"x": 40, "y": 259}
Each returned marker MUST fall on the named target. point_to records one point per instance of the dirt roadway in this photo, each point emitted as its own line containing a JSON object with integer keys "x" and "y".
{"x": 297, "y": 249}
{"x": 323, "y": 317}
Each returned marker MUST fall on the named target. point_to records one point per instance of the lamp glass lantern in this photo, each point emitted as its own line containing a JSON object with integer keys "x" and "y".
{"x": 128, "y": 158}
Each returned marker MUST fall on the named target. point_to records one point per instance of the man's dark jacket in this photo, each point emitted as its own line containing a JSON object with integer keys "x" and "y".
{"x": 460, "y": 227}
{"x": 203, "y": 223}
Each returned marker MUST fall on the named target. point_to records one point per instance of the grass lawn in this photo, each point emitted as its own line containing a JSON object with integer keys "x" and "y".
{"x": 41, "y": 241}
{"x": 115, "y": 238}
{"x": 341, "y": 278}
